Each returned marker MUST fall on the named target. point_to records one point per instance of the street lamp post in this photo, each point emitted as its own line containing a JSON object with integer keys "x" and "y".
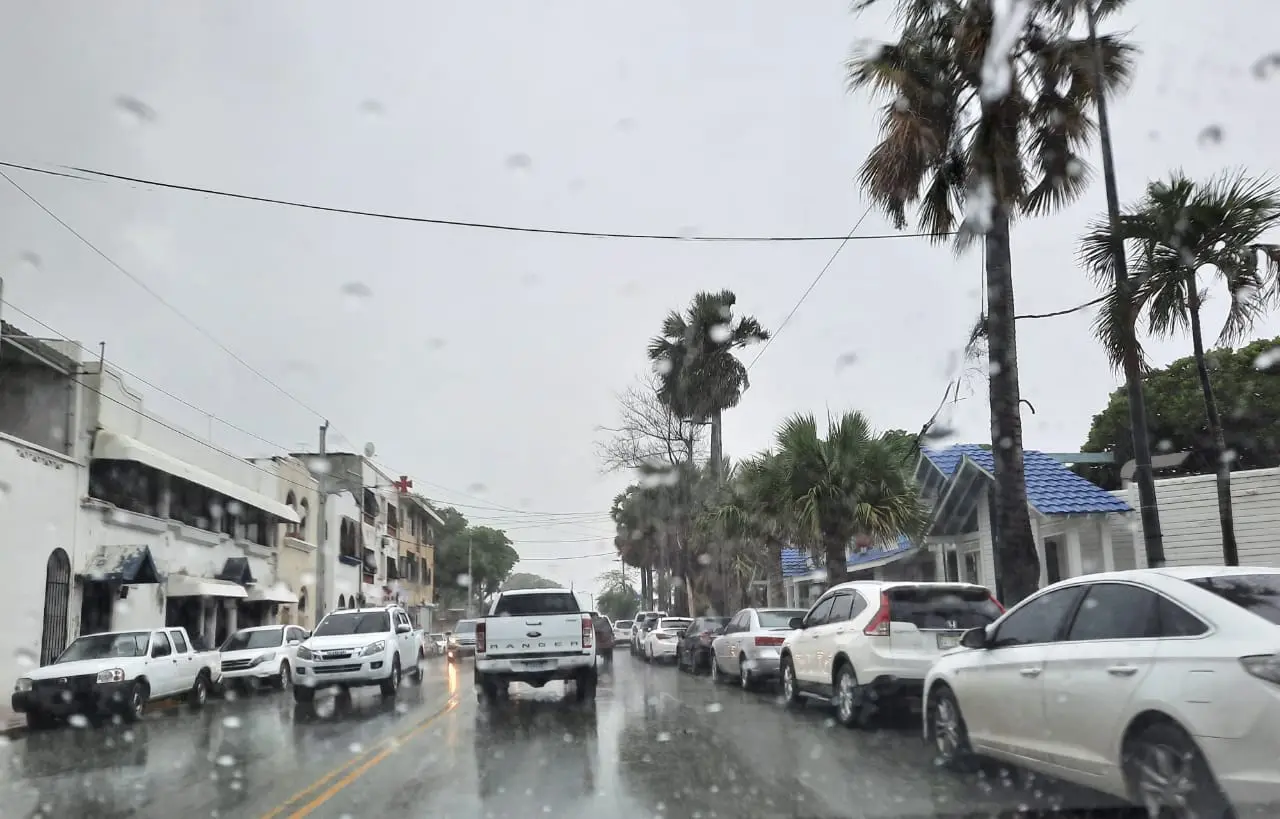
{"x": 1150, "y": 514}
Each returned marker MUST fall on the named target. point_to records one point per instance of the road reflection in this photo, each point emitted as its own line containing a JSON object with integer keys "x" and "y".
{"x": 534, "y": 753}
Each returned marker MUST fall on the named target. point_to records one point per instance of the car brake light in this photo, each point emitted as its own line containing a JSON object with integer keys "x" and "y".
{"x": 480, "y": 637}
{"x": 997, "y": 602}
{"x": 768, "y": 641}
{"x": 879, "y": 625}
{"x": 588, "y": 631}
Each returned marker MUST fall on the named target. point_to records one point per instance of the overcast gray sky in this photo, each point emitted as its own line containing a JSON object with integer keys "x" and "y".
{"x": 481, "y": 362}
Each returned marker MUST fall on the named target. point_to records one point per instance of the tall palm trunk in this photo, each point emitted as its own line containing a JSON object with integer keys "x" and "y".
{"x": 836, "y": 549}
{"x": 1226, "y": 517}
{"x": 717, "y": 445}
{"x": 1015, "y": 553}
{"x": 773, "y": 573}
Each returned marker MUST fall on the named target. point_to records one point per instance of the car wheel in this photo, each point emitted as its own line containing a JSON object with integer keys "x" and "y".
{"x": 947, "y": 730}
{"x": 285, "y": 677}
{"x": 419, "y": 671}
{"x": 136, "y": 702}
{"x": 1168, "y": 775}
{"x": 717, "y": 676}
{"x": 585, "y": 687}
{"x": 852, "y": 708}
{"x": 392, "y": 683}
{"x": 199, "y": 693}
{"x": 744, "y": 674}
{"x": 791, "y": 696}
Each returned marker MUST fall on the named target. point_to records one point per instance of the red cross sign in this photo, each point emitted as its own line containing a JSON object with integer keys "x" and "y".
{"x": 403, "y": 485}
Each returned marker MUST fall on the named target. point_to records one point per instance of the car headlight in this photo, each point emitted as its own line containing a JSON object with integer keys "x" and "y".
{"x": 262, "y": 658}
{"x": 375, "y": 648}
{"x": 304, "y": 653}
{"x": 453, "y": 641}
{"x": 22, "y": 685}
{"x": 111, "y": 675}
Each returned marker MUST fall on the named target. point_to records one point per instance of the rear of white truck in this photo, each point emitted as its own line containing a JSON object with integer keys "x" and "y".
{"x": 534, "y": 636}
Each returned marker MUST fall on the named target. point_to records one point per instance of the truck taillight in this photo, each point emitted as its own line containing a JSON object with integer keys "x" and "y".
{"x": 879, "y": 625}
{"x": 588, "y": 632}
{"x": 762, "y": 642}
{"x": 480, "y": 629}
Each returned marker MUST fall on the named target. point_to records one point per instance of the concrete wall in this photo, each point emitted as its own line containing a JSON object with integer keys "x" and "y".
{"x": 39, "y": 490}
{"x": 36, "y": 402}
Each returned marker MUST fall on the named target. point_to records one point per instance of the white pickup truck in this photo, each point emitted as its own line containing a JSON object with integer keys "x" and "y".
{"x": 358, "y": 647}
{"x": 117, "y": 672}
{"x": 534, "y": 636}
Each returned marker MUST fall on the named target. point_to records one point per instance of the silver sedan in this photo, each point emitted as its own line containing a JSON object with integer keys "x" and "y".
{"x": 748, "y": 650}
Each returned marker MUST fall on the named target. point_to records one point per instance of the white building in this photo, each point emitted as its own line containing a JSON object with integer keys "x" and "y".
{"x": 293, "y": 484}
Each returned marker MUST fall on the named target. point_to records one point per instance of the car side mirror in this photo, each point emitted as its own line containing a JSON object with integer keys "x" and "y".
{"x": 403, "y": 628}
{"x": 294, "y": 642}
{"x": 974, "y": 638}
{"x": 796, "y": 623}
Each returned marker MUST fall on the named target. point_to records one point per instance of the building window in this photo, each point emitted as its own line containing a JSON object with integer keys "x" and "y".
{"x": 126, "y": 485}
{"x": 347, "y": 539}
{"x": 370, "y": 506}
{"x": 302, "y": 601}
{"x": 304, "y": 512}
{"x": 393, "y": 520}
{"x": 291, "y": 501}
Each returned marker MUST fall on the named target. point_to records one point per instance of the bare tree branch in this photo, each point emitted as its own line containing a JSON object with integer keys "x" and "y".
{"x": 647, "y": 433}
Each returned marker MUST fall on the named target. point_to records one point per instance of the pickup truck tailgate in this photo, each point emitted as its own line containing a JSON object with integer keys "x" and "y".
{"x": 527, "y": 626}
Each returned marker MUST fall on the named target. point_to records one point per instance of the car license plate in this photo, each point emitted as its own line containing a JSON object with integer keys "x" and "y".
{"x": 534, "y": 665}
{"x": 948, "y": 641}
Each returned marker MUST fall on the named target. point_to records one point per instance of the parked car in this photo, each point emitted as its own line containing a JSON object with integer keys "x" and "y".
{"x": 534, "y": 636}
{"x": 262, "y": 655}
{"x": 869, "y": 644}
{"x": 661, "y": 640}
{"x": 1127, "y": 682}
{"x": 358, "y": 647}
{"x": 693, "y": 648}
{"x": 750, "y": 647}
{"x": 644, "y": 622}
{"x": 117, "y": 672}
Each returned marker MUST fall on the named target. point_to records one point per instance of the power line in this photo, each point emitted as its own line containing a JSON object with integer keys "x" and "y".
{"x": 809, "y": 289}
{"x": 398, "y": 217}
{"x": 1056, "y": 313}
{"x": 568, "y": 557}
{"x": 179, "y": 313}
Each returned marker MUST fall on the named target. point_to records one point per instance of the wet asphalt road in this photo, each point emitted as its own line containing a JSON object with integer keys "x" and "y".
{"x": 657, "y": 743}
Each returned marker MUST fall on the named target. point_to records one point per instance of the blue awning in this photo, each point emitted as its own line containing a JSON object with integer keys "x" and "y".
{"x": 122, "y": 564}
{"x": 796, "y": 562}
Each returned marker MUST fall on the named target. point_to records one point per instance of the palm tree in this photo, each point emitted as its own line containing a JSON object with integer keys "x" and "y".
{"x": 850, "y": 485}
{"x": 991, "y": 128}
{"x": 700, "y": 377}
{"x": 1178, "y": 228}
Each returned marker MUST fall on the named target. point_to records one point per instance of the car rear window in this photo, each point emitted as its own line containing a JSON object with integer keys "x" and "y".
{"x": 942, "y": 607}
{"x": 622, "y": 624}
{"x": 465, "y": 627}
{"x": 1256, "y": 593}
{"x": 523, "y": 605}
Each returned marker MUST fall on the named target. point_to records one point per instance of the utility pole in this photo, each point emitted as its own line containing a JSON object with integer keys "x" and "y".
{"x": 322, "y": 536}
{"x": 471, "y": 578}
{"x": 1153, "y": 538}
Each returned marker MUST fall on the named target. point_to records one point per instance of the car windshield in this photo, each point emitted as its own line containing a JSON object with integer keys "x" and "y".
{"x": 465, "y": 627}
{"x": 778, "y": 618}
{"x": 354, "y": 622}
{"x": 519, "y": 605}
{"x": 622, "y": 624}
{"x": 257, "y": 638}
{"x": 103, "y": 646}
{"x": 1255, "y": 593}
{"x": 435, "y": 636}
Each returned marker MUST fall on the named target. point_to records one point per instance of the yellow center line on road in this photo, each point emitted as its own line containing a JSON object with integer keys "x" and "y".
{"x": 353, "y": 768}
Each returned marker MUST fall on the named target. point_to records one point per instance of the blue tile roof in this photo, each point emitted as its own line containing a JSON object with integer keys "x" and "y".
{"x": 796, "y": 562}
{"x": 1052, "y": 489}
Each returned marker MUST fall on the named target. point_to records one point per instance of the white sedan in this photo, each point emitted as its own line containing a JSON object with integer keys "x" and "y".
{"x": 662, "y": 641}
{"x": 263, "y": 655}
{"x": 1161, "y": 686}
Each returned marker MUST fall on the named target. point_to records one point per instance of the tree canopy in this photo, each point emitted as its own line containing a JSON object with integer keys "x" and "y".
{"x": 1247, "y": 383}
{"x": 492, "y": 558}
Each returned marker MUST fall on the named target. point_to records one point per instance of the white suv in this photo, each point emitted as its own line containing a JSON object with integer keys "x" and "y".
{"x": 358, "y": 647}
{"x": 867, "y": 642}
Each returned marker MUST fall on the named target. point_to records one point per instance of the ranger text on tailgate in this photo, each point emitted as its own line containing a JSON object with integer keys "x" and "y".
{"x": 535, "y": 636}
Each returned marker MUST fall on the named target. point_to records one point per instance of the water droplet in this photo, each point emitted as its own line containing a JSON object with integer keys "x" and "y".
{"x": 993, "y": 368}
{"x": 1264, "y": 67}
{"x": 704, "y": 560}
{"x": 720, "y": 333}
{"x": 25, "y": 657}
{"x": 1164, "y": 445}
{"x": 28, "y": 262}
{"x": 134, "y": 111}
{"x": 318, "y": 466}
{"x": 235, "y": 509}
{"x": 663, "y": 736}
{"x": 662, "y": 366}
{"x": 464, "y": 580}
{"x": 714, "y": 708}
{"x": 1209, "y": 136}
{"x": 1268, "y": 359}
{"x": 355, "y": 747}
{"x": 521, "y": 163}
{"x": 436, "y": 343}
{"x": 1228, "y": 456}
{"x": 226, "y": 760}
{"x": 372, "y": 108}
{"x": 530, "y": 280}
{"x": 356, "y": 290}
{"x": 477, "y": 487}
{"x": 626, "y": 124}
{"x": 121, "y": 607}
{"x": 119, "y": 516}
{"x": 231, "y": 722}
{"x": 78, "y": 721}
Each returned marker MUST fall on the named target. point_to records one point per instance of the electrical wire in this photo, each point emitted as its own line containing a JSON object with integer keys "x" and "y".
{"x": 96, "y": 175}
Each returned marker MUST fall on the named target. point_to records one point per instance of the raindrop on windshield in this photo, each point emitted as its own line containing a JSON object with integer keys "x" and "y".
{"x": 1209, "y": 136}
{"x": 134, "y": 111}
{"x": 521, "y": 163}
